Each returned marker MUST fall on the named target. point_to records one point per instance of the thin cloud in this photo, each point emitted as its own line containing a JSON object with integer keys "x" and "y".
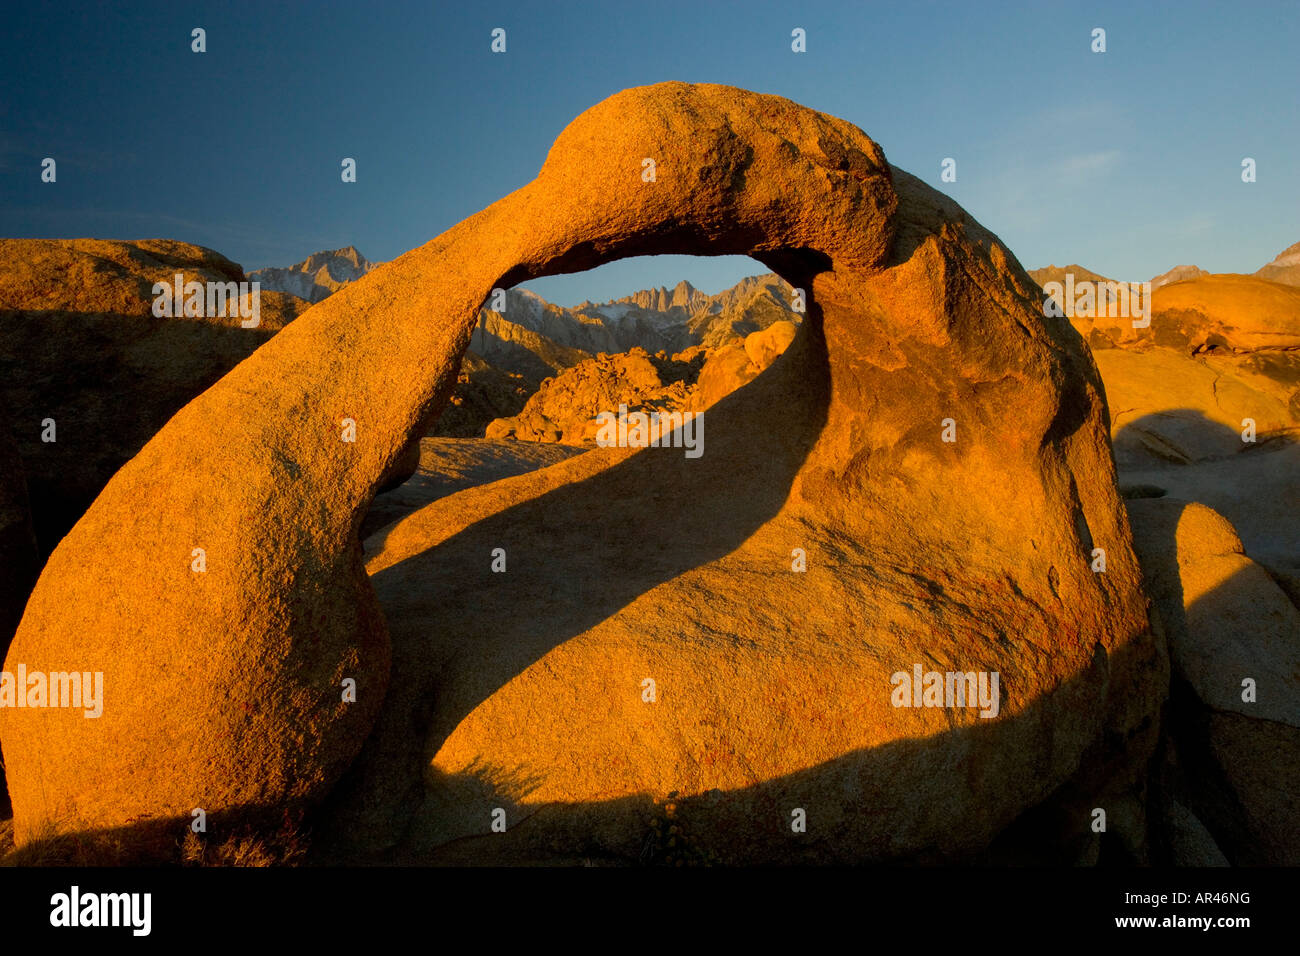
{"x": 1085, "y": 165}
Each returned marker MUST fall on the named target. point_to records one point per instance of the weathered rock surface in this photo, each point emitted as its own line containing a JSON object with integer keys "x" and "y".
{"x": 774, "y": 686}
{"x": 731, "y": 366}
{"x": 1171, "y": 408}
{"x": 1236, "y": 752}
{"x": 79, "y": 345}
{"x": 1205, "y": 406}
{"x": 564, "y": 408}
{"x": 1226, "y": 312}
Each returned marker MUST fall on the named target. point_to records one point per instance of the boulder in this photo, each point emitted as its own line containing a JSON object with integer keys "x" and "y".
{"x": 81, "y": 348}
{"x": 565, "y": 408}
{"x": 1228, "y": 624}
{"x": 764, "y": 346}
{"x": 1229, "y": 312}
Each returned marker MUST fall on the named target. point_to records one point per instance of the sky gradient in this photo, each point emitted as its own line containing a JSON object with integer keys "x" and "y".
{"x": 1127, "y": 162}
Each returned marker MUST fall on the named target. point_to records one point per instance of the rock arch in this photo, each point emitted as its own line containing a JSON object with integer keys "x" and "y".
{"x": 222, "y": 687}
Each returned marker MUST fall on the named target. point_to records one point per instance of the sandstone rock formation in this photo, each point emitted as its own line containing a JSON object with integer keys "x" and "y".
{"x": 80, "y": 346}
{"x": 527, "y": 686}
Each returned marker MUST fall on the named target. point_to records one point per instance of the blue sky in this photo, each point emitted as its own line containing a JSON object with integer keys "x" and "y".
{"x": 1127, "y": 162}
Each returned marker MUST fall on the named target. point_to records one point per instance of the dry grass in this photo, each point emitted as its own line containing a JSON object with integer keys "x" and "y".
{"x": 157, "y": 845}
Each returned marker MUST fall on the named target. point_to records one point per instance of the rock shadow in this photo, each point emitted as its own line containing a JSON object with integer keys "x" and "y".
{"x": 568, "y": 569}
{"x": 755, "y": 824}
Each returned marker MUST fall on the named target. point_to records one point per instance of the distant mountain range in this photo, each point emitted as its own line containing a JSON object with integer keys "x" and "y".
{"x": 317, "y": 276}
{"x": 537, "y": 339}
{"x": 1285, "y": 269}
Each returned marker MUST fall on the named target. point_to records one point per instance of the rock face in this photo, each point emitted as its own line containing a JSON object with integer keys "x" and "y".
{"x": 737, "y": 364}
{"x": 1234, "y": 754}
{"x": 80, "y": 346}
{"x": 564, "y": 409}
{"x": 774, "y": 685}
{"x": 1173, "y": 408}
{"x": 1206, "y": 406}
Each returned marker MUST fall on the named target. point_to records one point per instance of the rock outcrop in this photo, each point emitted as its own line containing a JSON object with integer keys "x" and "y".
{"x": 564, "y": 408}
{"x": 1233, "y": 760}
{"x": 731, "y": 366}
{"x": 90, "y": 374}
{"x": 528, "y": 687}
{"x": 1206, "y": 406}
{"x": 483, "y": 394}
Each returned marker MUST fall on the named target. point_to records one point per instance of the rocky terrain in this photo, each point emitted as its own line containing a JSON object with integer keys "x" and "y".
{"x": 559, "y": 653}
{"x": 1205, "y": 421}
{"x": 80, "y": 347}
